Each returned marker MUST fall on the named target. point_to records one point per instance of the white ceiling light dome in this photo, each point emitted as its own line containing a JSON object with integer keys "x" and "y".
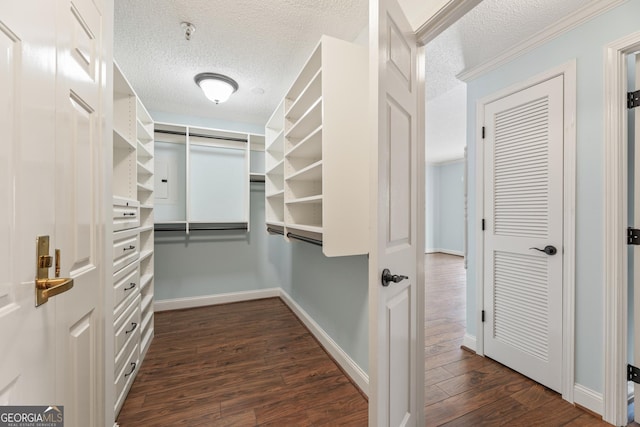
{"x": 216, "y": 87}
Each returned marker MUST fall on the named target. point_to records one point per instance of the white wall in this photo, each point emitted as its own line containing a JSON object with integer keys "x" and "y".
{"x": 445, "y": 207}
{"x": 585, "y": 44}
{"x": 334, "y": 291}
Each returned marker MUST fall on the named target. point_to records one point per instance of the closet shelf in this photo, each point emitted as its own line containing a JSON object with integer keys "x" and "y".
{"x": 143, "y": 133}
{"x": 145, "y": 187}
{"x": 305, "y": 200}
{"x": 276, "y": 194}
{"x": 143, "y": 151}
{"x": 309, "y": 121}
{"x": 145, "y": 280}
{"x": 309, "y": 147}
{"x": 145, "y": 254}
{"x": 121, "y": 142}
{"x": 143, "y": 170}
{"x": 146, "y": 303}
{"x": 277, "y": 169}
{"x": 312, "y": 172}
{"x": 145, "y": 229}
{"x": 302, "y": 227}
{"x": 310, "y": 94}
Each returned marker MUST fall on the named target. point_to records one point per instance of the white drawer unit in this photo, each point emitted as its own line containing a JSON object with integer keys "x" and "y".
{"x": 130, "y": 324}
{"x": 127, "y": 327}
{"x": 126, "y": 248}
{"x": 126, "y": 282}
{"x": 126, "y": 214}
{"x": 124, "y": 377}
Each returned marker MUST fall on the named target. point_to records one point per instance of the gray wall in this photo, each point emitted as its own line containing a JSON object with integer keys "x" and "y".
{"x": 445, "y": 207}
{"x": 585, "y": 44}
{"x": 334, "y": 291}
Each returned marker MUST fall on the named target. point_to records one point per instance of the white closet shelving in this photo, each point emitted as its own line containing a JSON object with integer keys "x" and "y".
{"x": 316, "y": 152}
{"x": 274, "y": 169}
{"x": 202, "y": 177}
{"x": 132, "y": 183}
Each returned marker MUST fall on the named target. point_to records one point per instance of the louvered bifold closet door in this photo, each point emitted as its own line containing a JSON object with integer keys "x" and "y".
{"x": 523, "y": 154}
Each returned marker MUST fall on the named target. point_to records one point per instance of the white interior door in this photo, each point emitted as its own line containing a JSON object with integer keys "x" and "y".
{"x": 395, "y": 370}
{"x": 523, "y": 149}
{"x": 79, "y": 220}
{"x": 27, "y": 120}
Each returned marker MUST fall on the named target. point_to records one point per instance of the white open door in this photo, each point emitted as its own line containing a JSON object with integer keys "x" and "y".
{"x": 396, "y": 321}
{"x": 52, "y": 176}
{"x": 27, "y": 120}
{"x": 80, "y": 220}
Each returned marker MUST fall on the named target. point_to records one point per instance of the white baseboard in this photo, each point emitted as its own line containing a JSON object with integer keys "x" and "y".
{"x": 469, "y": 341}
{"x": 444, "y": 251}
{"x": 350, "y": 367}
{"x": 191, "y": 302}
{"x": 588, "y": 398}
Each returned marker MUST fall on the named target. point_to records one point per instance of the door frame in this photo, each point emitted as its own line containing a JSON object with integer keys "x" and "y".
{"x": 568, "y": 71}
{"x": 615, "y": 224}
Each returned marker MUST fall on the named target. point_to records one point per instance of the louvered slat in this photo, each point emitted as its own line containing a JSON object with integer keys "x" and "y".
{"x": 520, "y": 170}
{"x": 521, "y": 303}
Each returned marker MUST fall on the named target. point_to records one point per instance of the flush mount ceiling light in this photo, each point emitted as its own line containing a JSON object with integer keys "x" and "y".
{"x": 217, "y": 87}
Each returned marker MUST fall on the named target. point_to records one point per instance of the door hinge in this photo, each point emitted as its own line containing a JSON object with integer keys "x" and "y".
{"x": 633, "y": 99}
{"x": 633, "y": 374}
{"x": 483, "y": 224}
{"x": 482, "y": 315}
{"x": 483, "y": 132}
{"x": 633, "y": 236}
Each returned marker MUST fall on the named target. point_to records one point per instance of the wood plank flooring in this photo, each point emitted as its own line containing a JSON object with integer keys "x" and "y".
{"x": 463, "y": 389}
{"x": 244, "y": 364}
{"x": 254, "y": 363}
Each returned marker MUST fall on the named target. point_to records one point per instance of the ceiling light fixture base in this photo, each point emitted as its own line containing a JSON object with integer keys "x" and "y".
{"x": 216, "y": 87}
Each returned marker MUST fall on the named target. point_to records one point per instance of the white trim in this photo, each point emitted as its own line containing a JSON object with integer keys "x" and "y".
{"x": 350, "y": 367}
{"x": 615, "y": 223}
{"x": 444, "y": 251}
{"x": 588, "y": 398}
{"x": 203, "y": 301}
{"x": 568, "y": 70}
{"x": 443, "y": 19}
{"x": 446, "y": 162}
{"x": 572, "y": 21}
{"x": 469, "y": 341}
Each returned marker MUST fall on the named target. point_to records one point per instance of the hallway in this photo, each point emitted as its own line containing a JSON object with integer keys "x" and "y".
{"x": 463, "y": 389}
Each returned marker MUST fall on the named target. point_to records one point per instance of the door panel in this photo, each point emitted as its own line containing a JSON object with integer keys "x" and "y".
{"x": 523, "y": 211}
{"x": 78, "y": 213}
{"x": 27, "y": 83}
{"x": 395, "y": 371}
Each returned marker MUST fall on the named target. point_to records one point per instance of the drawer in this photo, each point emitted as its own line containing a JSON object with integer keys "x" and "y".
{"x": 126, "y": 214}
{"x": 126, "y": 248}
{"x": 126, "y": 282}
{"x": 127, "y": 327}
{"x": 124, "y": 378}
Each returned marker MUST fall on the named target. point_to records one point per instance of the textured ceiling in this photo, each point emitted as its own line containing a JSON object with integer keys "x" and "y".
{"x": 485, "y": 32}
{"x": 260, "y": 44}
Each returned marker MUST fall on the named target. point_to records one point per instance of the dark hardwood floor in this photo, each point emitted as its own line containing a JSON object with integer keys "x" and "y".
{"x": 244, "y": 364}
{"x": 463, "y": 389}
{"x": 254, "y": 363}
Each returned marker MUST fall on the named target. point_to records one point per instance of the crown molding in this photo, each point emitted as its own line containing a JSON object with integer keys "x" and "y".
{"x": 443, "y": 19}
{"x": 572, "y": 21}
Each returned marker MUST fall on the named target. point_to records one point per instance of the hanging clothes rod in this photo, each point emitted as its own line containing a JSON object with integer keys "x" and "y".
{"x": 203, "y": 228}
{"x": 305, "y": 239}
{"x": 200, "y": 135}
{"x": 274, "y": 231}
